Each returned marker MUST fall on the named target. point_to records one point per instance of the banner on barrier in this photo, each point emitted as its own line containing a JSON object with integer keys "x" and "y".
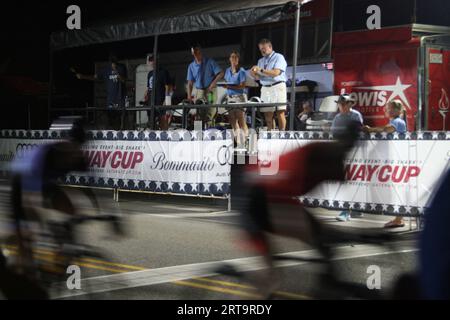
{"x": 151, "y": 161}
{"x": 382, "y": 175}
{"x": 393, "y": 173}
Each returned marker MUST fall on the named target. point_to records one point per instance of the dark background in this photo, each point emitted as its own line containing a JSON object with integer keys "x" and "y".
{"x": 24, "y": 54}
{"x": 25, "y": 27}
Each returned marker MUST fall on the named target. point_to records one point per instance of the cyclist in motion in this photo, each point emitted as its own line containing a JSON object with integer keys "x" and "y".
{"x": 35, "y": 189}
{"x": 269, "y": 205}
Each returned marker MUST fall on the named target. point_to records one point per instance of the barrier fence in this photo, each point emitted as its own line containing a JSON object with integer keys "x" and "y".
{"x": 386, "y": 173}
{"x": 183, "y": 109}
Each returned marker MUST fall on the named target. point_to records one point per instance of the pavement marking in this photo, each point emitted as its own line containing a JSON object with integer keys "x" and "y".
{"x": 218, "y": 289}
{"x": 238, "y": 285}
{"x": 183, "y": 207}
{"x": 192, "y": 215}
{"x": 87, "y": 262}
{"x": 150, "y": 277}
{"x": 50, "y": 258}
{"x": 92, "y": 266}
{"x": 127, "y": 266}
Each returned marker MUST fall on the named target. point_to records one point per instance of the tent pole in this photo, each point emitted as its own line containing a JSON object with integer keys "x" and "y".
{"x": 153, "y": 96}
{"x": 294, "y": 66}
{"x": 50, "y": 88}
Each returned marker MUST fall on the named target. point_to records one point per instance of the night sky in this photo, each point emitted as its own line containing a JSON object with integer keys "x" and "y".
{"x": 25, "y": 28}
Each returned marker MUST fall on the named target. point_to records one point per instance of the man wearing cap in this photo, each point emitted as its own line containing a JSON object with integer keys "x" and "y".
{"x": 203, "y": 73}
{"x": 163, "y": 87}
{"x": 340, "y": 122}
{"x": 271, "y": 73}
{"x": 346, "y": 113}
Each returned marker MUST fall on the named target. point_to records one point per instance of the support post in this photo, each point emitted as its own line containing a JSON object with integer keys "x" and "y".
{"x": 294, "y": 66}
{"x": 153, "y": 96}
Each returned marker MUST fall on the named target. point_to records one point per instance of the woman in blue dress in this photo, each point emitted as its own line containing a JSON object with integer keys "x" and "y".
{"x": 235, "y": 77}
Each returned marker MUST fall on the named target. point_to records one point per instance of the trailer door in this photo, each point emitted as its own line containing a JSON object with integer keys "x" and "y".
{"x": 437, "y": 88}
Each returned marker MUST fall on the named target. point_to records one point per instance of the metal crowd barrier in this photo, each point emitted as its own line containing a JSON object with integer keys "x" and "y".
{"x": 185, "y": 107}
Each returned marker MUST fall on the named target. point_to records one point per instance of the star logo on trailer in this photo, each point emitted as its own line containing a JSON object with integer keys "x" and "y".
{"x": 365, "y": 99}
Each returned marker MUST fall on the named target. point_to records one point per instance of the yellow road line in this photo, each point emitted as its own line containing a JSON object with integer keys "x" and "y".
{"x": 293, "y": 295}
{"x": 88, "y": 260}
{"x": 225, "y": 283}
{"x": 217, "y": 289}
{"x": 126, "y": 266}
{"x": 51, "y": 258}
{"x": 92, "y": 266}
{"x": 238, "y": 285}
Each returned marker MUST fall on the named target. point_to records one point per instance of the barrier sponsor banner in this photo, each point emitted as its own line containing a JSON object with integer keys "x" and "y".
{"x": 386, "y": 173}
{"x": 393, "y": 174}
{"x": 173, "y": 161}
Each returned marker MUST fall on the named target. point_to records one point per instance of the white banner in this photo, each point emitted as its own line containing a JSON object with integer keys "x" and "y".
{"x": 178, "y": 162}
{"x": 391, "y": 176}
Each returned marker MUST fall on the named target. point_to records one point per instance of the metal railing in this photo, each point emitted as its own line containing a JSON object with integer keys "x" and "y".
{"x": 184, "y": 107}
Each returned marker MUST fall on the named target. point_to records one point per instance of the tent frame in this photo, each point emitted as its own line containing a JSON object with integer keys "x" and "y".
{"x": 283, "y": 14}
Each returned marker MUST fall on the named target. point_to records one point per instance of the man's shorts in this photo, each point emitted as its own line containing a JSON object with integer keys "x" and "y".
{"x": 274, "y": 94}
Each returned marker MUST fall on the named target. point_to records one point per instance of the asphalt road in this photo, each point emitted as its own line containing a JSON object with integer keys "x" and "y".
{"x": 174, "y": 245}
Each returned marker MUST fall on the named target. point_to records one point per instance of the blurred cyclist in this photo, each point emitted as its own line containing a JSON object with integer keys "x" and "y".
{"x": 34, "y": 189}
{"x": 268, "y": 202}
{"x": 35, "y": 181}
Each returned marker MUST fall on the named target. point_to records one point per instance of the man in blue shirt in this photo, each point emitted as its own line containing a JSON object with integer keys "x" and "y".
{"x": 271, "y": 73}
{"x": 203, "y": 73}
{"x": 115, "y": 76}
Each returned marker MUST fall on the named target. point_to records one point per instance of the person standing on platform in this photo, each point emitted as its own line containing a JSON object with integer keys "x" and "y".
{"x": 115, "y": 76}
{"x": 203, "y": 73}
{"x": 271, "y": 73}
{"x": 235, "y": 77}
{"x": 163, "y": 85}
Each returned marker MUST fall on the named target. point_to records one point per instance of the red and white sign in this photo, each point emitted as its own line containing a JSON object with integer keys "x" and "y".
{"x": 374, "y": 74}
{"x": 387, "y": 172}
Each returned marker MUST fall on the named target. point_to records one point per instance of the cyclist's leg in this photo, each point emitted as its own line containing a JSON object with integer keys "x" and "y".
{"x": 21, "y": 216}
{"x": 290, "y": 218}
{"x": 59, "y": 200}
{"x": 256, "y": 223}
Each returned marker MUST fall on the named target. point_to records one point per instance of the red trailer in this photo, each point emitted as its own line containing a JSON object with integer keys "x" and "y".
{"x": 410, "y": 63}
